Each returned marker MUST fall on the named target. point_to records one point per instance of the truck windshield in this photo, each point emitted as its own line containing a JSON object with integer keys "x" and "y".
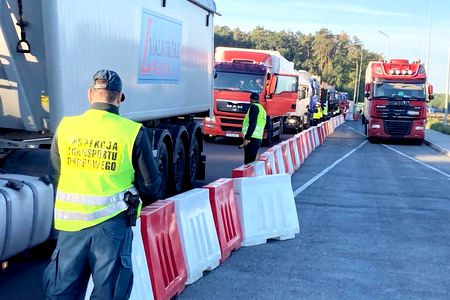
{"x": 239, "y": 82}
{"x": 403, "y": 90}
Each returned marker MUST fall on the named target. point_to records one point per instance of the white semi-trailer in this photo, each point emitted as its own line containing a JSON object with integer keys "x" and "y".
{"x": 163, "y": 51}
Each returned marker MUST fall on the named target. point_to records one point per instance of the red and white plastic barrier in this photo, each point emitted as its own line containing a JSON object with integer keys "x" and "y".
{"x": 163, "y": 250}
{"x": 266, "y": 208}
{"x": 268, "y": 158}
{"x": 316, "y": 137}
{"x": 197, "y": 232}
{"x": 256, "y": 168}
{"x": 226, "y": 216}
{"x": 279, "y": 160}
{"x": 296, "y": 154}
{"x": 287, "y": 158}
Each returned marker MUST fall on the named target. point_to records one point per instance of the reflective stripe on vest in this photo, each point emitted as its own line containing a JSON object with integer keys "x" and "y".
{"x": 260, "y": 123}
{"x": 114, "y": 208}
{"x": 95, "y": 151}
{"x": 93, "y": 200}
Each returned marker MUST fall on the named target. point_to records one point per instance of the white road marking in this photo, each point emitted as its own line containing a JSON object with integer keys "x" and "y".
{"x": 405, "y": 155}
{"x": 326, "y": 170}
{"x": 418, "y": 161}
{"x": 360, "y": 133}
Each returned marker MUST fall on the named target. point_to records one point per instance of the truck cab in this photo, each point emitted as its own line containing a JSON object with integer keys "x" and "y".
{"x": 395, "y": 96}
{"x": 240, "y": 72}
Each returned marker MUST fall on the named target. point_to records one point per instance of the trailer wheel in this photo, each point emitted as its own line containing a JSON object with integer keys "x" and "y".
{"x": 192, "y": 166}
{"x": 163, "y": 167}
{"x": 179, "y": 161}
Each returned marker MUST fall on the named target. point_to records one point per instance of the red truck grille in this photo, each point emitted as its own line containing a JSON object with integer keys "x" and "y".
{"x": 397, "y": 128}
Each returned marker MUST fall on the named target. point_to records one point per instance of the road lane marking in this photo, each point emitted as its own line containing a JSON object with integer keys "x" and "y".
{"x": 405, "y": 155}
{"x": 326, "y": 170}
{"x": 418, "y": 161}
{"x": 355, "y": 130}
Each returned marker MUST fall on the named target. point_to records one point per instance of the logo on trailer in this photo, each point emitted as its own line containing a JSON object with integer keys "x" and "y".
{"x": 159, "y": 56}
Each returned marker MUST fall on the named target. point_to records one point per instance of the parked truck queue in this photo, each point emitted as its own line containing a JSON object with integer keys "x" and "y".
{"x": 173, "y": 76}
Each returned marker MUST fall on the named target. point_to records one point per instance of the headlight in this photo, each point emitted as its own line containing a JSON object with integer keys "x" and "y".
{"x": 397, "y": 72}
{"x": 413, "y": 113}
{"x": 420, "y": 128}
{"x": 292, "y": 121}
{"x": 410, "y": 72}
{"x": 376, "y": 126}
{"x": 212, "y": 119}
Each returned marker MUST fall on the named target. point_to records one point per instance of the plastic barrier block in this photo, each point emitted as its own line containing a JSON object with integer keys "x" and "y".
{"x": 311, "y": 141}
{"x": 226, "y": 215}
{"x": 316, "y": 137}
{"x": 259, "y": 168}
{"x": 142, "y": 286}
{"x": 287, "y": 157}
{"x": 197, "y": 232}
{"x": 321, "y": 132}
{"x": 293, "y": 145}
{"x": 243, "y": 171}
{"x": 266, "y": 208}
{"x": 279, "y": 160}
{"x": 301, "y": 146}
{"x": 163, "y": 250}
{"x": 269, "y": 162}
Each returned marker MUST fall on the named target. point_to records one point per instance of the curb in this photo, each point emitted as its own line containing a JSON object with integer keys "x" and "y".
{"x": 437, "y": 148}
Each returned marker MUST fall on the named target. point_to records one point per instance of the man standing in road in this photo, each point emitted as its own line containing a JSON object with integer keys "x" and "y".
{"x": 253, "y": 128}
{"x": 100, "y": 162}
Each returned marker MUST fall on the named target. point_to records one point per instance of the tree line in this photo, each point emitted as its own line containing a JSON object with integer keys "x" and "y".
{"x": 334, "y": 57}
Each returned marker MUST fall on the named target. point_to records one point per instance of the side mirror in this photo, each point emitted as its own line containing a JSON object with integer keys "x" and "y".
{"x": 272, "y": 85}
{"x": 366, "y": 94}
{"x": 430, "y": 89}
{"x": 430, "y": 97}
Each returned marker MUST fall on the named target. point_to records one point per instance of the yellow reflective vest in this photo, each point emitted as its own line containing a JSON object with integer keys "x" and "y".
{"x": 260, "y": 123}
{"x": 95, "y": 151}
{"x": 318, "y": 115}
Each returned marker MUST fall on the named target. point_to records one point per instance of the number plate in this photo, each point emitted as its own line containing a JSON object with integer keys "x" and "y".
{"x": 232, "y": 134}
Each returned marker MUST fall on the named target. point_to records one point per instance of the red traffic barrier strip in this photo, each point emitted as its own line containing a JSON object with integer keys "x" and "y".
{"x": 163, "y": 251}
{"x": 243, "y": 171}
{"x": 265, "y": 157}
{"x": 226, "y": 215}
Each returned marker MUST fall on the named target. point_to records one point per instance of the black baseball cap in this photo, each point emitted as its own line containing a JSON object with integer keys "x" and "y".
{"x": 112, "y": 81}
{"x": 254, "y": 96}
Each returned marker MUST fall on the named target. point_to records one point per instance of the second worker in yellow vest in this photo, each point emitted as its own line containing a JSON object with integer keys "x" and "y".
{"x": 253, "y": 128}
{"x": 317, "y": 115}
{"x": 100, "y": 161}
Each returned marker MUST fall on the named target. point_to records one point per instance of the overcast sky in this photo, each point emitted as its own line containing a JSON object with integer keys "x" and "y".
{"x": 406, "y": 22}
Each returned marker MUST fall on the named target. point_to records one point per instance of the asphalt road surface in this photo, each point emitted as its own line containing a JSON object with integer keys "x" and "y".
{"x": 374, "y": 222}
{"x": 374, "y": 226}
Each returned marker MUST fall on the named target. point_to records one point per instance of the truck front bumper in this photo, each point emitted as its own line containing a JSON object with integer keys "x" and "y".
{"x": 396, "y": 129}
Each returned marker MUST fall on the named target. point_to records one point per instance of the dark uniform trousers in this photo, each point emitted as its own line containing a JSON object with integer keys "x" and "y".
{"x": 103, "y": 250}
{"x": 251, "y": 150}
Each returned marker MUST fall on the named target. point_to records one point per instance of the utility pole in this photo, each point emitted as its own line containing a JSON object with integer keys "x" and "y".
{"x": 447, "y": 91}
{"x": 359, "y": 82}
{"x": 352, "y": 111}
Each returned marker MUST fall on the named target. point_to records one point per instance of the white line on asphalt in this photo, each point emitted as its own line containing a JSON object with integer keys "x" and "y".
{"x": 355, "y": 130}
{"x": 405, "y": 155}
{"x": 325, "y": 171}
{"x": 418, "y": 161}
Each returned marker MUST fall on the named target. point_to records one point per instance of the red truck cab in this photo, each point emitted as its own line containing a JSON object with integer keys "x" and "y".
{"x": 395, "y": 96}
{"x": 240, "y": 72}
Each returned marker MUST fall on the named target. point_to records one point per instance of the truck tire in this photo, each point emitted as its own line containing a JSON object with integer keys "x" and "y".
{"x": 366, "y": 128}
{"x": 269, "y": 129}
{"x": 178, "y": 167}
{"x": 372, "y": 140}
{"x": 162, "y": 163}
{"x": 192, "y": 166}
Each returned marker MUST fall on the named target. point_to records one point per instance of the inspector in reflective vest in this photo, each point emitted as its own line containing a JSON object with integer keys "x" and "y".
{"x": 260, "y": 123}
{"x": 318, "y": 115}
{"x": 96, "y": 168}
